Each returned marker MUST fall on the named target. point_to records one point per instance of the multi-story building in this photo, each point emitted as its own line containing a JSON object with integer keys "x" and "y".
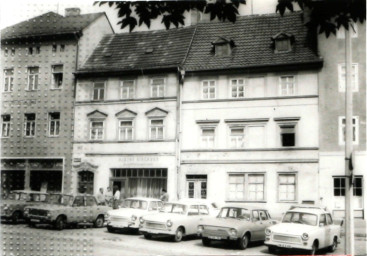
{"x": 38, "y": 58}
{"x": 332, "y": 120}
{"x": 249, "y": 113}
{"x": 126, "y": 112}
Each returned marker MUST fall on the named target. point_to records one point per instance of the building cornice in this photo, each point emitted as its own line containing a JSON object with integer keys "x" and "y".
{"x": 252, "y": 99}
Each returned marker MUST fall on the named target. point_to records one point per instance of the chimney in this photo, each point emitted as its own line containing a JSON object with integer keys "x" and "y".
{"x": 72, "y": 12}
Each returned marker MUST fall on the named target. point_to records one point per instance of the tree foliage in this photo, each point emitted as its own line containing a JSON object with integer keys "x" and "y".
{"x": 325, "y": 15}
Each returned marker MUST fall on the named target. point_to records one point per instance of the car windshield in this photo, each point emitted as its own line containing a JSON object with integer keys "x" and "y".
{"x": 235, "y": 213}
{"x": 135, "y": 204}
{"x": 13, "y": 196}
{"x": 174, "y": 208}
{"x": 301, "y": 218}
{"x": 60, "y": 199}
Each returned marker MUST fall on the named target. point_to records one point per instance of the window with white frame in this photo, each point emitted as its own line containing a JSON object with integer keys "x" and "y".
{"x": 98, "y": 91}
{"x": 340, "y": 33}
{"x": 342, "y": 77}
{"x": 355, "y": 121}
{"x": 156, "y": 129}
{"x": 8, "y": 79}
{"x": 237, "y": 136}
{"x": 29, "y": 125}
{"x": 127, "y": 89}
{"x": 96, "y": 130}
{"x": 246, "y": 187}
{"x": 126, "y": 129}
{"x": 5, "y": 126}
{"x": 209, "y": 90}
{"x": 287, "y": 85}
{"x": 287, "y": 187}
{"x": 237, "y": 88}
{"x": 54, "y": 124}
{"x": 57, "y": 76}
{"x": 157, "y": 87}
{"x": 33, "y": 73}
{"x": 207, "y": 137}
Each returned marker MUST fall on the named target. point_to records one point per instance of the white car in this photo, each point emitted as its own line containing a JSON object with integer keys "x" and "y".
{"x": 177, "y": 219}
{"x": 132, "y": 209}
{"x": 307, "y": 228}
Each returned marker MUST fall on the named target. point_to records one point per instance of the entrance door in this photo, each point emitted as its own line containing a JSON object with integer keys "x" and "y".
{"x": 196, "y": 186}
{"x": 86, "y": 182}
{"x": 121, "y": 184}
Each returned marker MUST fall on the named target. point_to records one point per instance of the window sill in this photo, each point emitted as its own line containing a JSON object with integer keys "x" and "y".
{"x": 97, "y": 100}
{"x": 29, "y": 137}
{"x": 5, "y": 137}
{"x": 7, "y": 91}
{"x": 53, "y": 136}
{"x": 55, "y": 89}
{"x": 33, "y": 90}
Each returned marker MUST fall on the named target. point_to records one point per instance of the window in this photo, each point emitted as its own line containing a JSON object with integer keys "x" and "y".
{"x": 207, "y": 137}
{"x": 157, "y": 87}
{"x": 33, "y": 78}
{"x": 156, "y": 129}
{"x": 8, "y": 80}
{"x": 248, "y": 186}
{"x": 78, "y": 201}
{"x": 125, "y": 130}
{"x": 340, "y": 33}
{"x": 127, "y": 89}
{"x": 57, "y": 76}
{"x": 237, "y": 88}
{"x": 12, "y": 51}
{"x": 237, "y": 137}
{"x": 288, "y": 135}
{"x": 38, "y": 49}
{"x": 6, "y": 52}
{"x": 30, "y": 50}
{"x": 96, "y": 130}
{"x": 208, "y": 90}
{"x": 98, "y": 91}
{"x": 323, "y": 219}
{"x": 339, "y": 186}
{"x": 5, "y": 126}
{"x": 355, "y": 121}
{"x": 54, "y": 124}
{"x": 329, "y": 219}
{"x": 282, "y": 45}
{"x": 54, "y": 48}
{"x": 342, "y": 77}
{"x": 203, "y": 210}
{"x": 287, "y": 187}
{"x": 30, "y": 125}
{"x": 90, "y": 201}
{"x": 263, "y": 215}
{"x": 62, "y": 48}
{"x": 287, "y": 85}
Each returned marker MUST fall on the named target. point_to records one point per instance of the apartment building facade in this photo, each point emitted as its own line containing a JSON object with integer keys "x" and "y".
{"x": 38, "y": 58}
{"x": 332, "y": 120}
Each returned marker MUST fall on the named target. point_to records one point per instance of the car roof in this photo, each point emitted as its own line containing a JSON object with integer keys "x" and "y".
{"x": 193, "y": 201}
{"x": 143, "y": 198}
{"x": 308, "y": 210}
{"x": 246, "y": 206}
{"x": 28, "y": 191}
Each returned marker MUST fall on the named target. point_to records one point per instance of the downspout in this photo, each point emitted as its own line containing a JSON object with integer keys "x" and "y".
{"x": 181, "y": 76}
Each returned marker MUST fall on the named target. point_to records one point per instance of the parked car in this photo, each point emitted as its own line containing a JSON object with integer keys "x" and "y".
{"x": 213, "y": 207}
{"x": 132, "y": 209}
{"x": 63, "y": 209}
{"x": 177, "y": 219}
{"x": 236, "y": 222}
{"x": 308, "y": 228}
{"x": 12, "y": 207}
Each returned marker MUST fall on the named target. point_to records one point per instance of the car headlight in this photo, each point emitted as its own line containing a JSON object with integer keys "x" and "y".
{"x": 141, "y": 220}
{"x": 133, "y": 218}
{"x": 305, "y": 236}
{"x": 233, "y": 232}
{"x": 6, "y": 208}
{"x": 200, "y": 228}
{"x": 26, "y": 212}
{"x": 267, "y": 232}
{"x": 169, "y": 223}
{"x": 48, "y": 214}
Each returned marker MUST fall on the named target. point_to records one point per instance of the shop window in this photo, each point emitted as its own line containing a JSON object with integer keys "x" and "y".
{"x": 355, "y": 131}
{"x": 287, "y": 85}
{"x": 157, "y": 87}
{"x": 208, "y": 90}
{"x": 127, "y": 89}
{"x": 246, "y": 187}
{"x": 5, "y": 126}
{"x": 57, "y": 76}
{"x": 287, "y": 187}
{"x": 29, "y": 125}
{"x": 54, "y": 123}
{"x": 99, "y": 91}
{"x": 237, "y": 88}
{"x": 33, "y": 81}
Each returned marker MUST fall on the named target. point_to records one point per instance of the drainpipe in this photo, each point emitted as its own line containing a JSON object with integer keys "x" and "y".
{"x": 181, "y": 76}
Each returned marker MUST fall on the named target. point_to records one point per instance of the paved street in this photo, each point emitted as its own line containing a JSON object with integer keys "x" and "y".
{"x": 22, "y": 240}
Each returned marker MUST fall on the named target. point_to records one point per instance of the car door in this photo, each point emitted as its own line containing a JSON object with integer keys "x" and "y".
{"x": 329, "y": 230}
{"x": 323, "y": 230}
{"x": 77, "y": 210}
{"x": 92, "y": 210}
{"x": 265, "y": 222}
{"x": 192, "y": 219}
{"x": 257, "y": 226}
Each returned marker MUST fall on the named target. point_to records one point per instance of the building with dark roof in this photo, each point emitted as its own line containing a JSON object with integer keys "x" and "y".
{"x": 38, "y": 58}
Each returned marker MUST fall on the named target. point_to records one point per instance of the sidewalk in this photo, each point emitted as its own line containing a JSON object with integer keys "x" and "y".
{"x": 359, "y": 227}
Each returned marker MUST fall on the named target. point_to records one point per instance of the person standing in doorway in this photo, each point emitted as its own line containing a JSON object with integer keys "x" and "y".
{"x": 116, "y": 197}
{"x": 109, "y": 196}
{"x": 164, "y": 195}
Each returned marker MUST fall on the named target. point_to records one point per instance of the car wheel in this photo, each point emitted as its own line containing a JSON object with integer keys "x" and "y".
{"x": 179, "y": 234}
{"x": 272, "y": 249}
{"x": 333, "y": 247}
{"x": 314, "y": 249}
{"x": 15, "y": 217}
{"x": 148, "y": 236}
{"x": 244, "y": 241}
{"x": 206, "y": 241}
{"x": 60, "y": 223}
{"x": 98, "y": 223}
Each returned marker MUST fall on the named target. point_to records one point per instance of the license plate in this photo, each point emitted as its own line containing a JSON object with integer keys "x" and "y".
{"x": 35, "y": 220}
{"x": 284, "y": 245}
{"x": 215, "y": 237}
{"x": 154, "y": 231}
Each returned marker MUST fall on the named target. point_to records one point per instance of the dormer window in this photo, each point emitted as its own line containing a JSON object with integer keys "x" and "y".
{"x": 223, "y": 46}
{"x": 283, "y": 42}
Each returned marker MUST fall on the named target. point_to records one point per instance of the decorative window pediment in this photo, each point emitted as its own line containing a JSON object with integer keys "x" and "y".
{"x": 282, "y": 42}
{"x": 156, "y": 112}
{"x": 96, "y": 114}
{"x": 126, "y": 114}
{"x": 222, "y": 46}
